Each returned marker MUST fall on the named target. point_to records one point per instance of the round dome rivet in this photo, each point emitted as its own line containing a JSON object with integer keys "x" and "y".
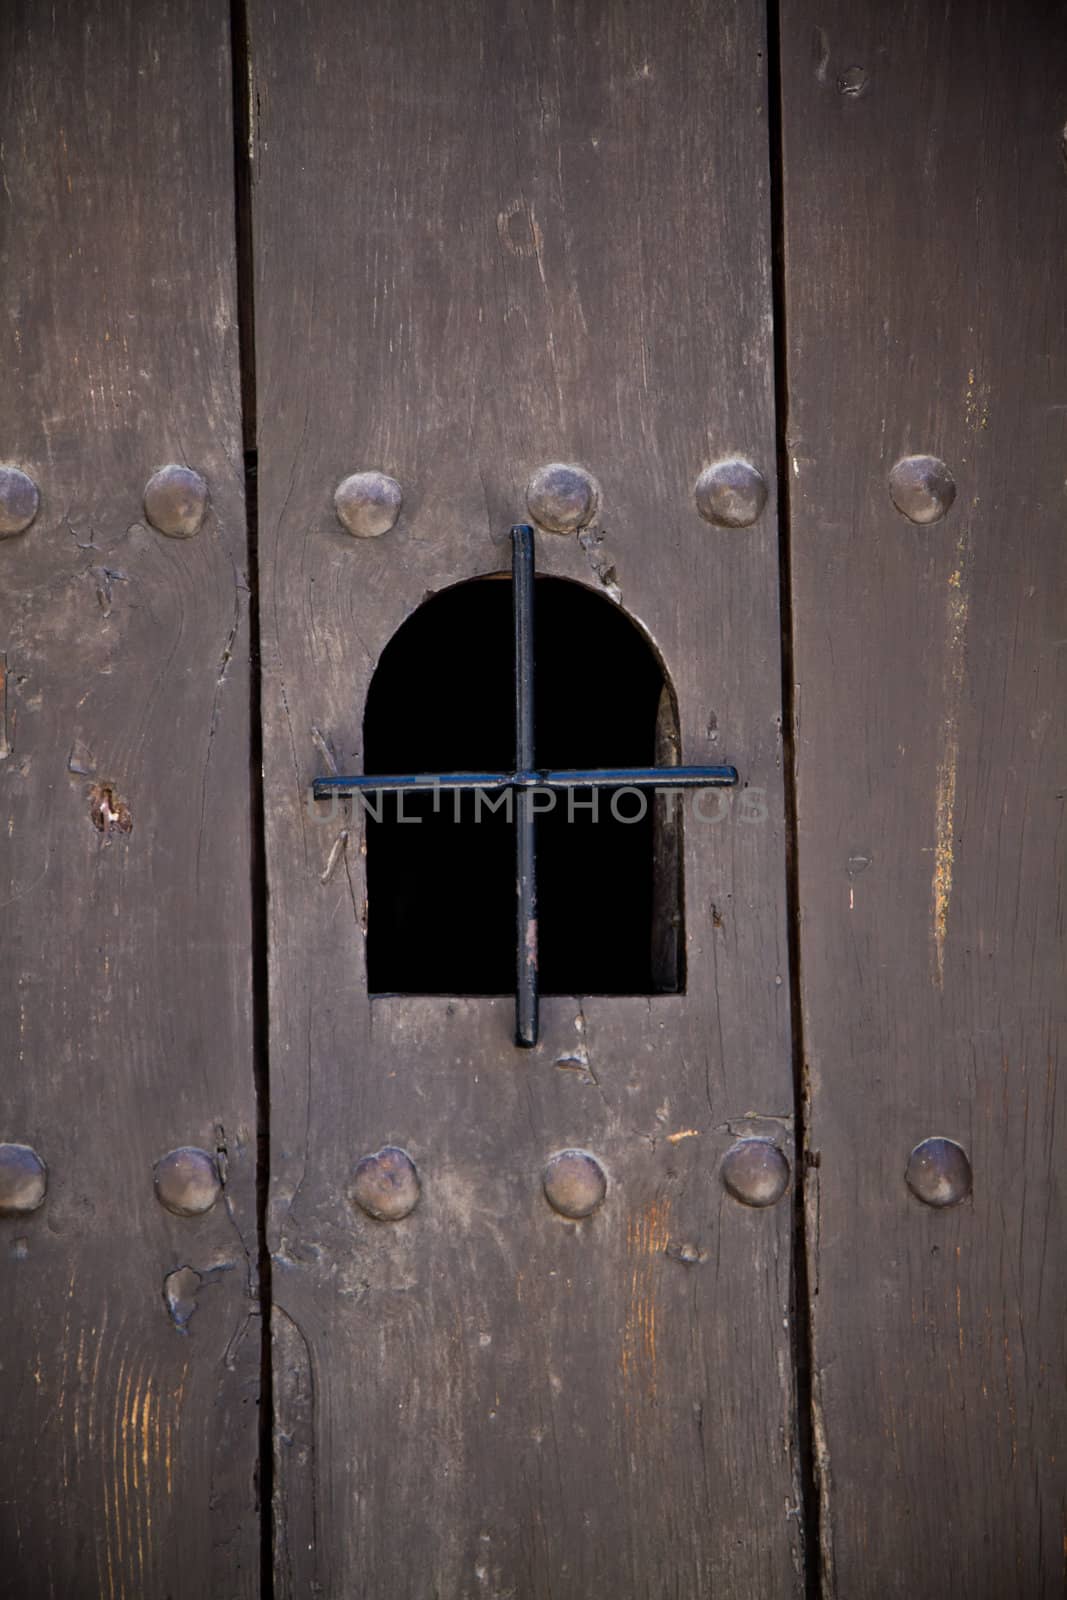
{"x": 575, "y": 1183}
{"x": 922, "y": 488}
{"x": 386, "y": 1184}
{"x": 755, "y": 1172}
{"x": 562, "y": 498}
{"x": 23, "y": 1180}
{"x": 19, "y": 499}
{"x": 938, "y": 1172}
{"x": 853, "y": 82}
{"x": 175, "y": 501}
{"x": 731, "y": 493}
{"x": 187, "y": 1181}
{"x": 368, "y": 504}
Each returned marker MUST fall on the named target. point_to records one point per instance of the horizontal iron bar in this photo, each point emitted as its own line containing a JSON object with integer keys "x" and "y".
{"x": 494, "y": 782}
{"x": 633, "y": 778}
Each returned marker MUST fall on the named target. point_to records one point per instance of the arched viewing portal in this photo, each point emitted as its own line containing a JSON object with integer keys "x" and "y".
{"x": 441, "y": 869}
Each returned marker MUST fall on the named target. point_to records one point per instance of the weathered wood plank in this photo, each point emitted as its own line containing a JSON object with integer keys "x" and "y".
{"x": 487, "y": 237}
{"x": 130, "y": 1445}
{"x": 926, "y": 225}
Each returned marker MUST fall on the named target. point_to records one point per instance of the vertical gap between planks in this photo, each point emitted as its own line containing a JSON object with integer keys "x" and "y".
{"x": 246, "y": 322}
{"x": 801, "y": 1317}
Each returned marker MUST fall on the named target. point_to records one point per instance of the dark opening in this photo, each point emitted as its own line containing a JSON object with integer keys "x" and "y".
{"x": 441, "y": 886}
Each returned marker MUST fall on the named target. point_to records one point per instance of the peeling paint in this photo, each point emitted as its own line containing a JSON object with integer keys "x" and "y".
{"x": 5, "y": 743}
{"x": 339, "y": 846}
{"x": 108, "y": 811}
{"x": 179, "y": 1291}
{"x": 956, "y": 611}
{"x": 647, "y": 1239}
{"x": 600, "y": 565}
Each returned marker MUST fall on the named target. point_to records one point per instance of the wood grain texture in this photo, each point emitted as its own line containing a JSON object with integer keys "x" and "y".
{"x": 130, "y": 1446}
{"x": 926, "y": 222}
{"x": 489, "y": 237}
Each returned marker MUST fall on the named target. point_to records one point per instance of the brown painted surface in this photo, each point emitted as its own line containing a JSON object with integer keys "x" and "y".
{"x": 926, "y": 226}
{"x": 128, "y": 1463}
{"x": 489, "y": 239}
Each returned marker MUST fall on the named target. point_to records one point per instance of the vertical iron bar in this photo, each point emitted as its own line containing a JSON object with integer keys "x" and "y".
{"x": 522, "y": 587}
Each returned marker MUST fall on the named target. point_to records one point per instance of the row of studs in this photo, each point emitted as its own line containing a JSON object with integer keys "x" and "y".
{"x": 386, "y": 1185}
{"x": 175, "y": 501}
{"x": 560, "y": 498}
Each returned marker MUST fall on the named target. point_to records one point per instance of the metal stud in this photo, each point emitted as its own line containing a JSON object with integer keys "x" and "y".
{"x": 755, "y": 1172}
{"x": 23, "y": 1180}
{"x": 368, "y": 504}
{"x": 853, "y": 82}
{"x": 938, "y": 1172}
{"x": 187, "y": 1181}
{"x": 731, "y": 493}
{"x": 386, "y": 1184}
{"x": 562, "y": 498}
{"x": 19, "y": 500}
{"x": 575, "y": 1183}
{"x": 175, "y": 501}
{"x": 922, "y": 488}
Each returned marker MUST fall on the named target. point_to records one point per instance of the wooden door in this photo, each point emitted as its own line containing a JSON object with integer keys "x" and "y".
{"x": 804, "y": 1333}
{"x": 489, "y": 238}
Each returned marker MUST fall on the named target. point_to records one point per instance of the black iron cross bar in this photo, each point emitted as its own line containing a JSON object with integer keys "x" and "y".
{"x": 525, "y": 780}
